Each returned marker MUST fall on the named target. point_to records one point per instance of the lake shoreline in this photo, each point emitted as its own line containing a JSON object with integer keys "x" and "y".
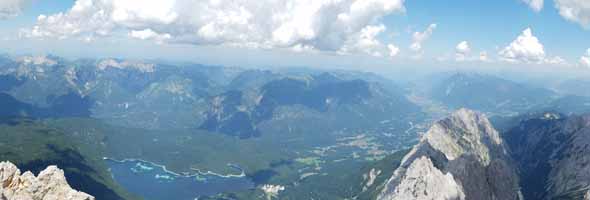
{"x": 154, "y": 181}
{"x": 185, "y": 174}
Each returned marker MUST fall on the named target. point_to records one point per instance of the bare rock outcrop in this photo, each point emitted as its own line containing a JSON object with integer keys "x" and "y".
{"x": 50, "y": 184}
{"x": 460, "y": 157}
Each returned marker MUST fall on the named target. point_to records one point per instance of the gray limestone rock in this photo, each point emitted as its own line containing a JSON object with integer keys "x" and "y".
{"x": 460, "y": 157}
{"x": 50, "y": 184}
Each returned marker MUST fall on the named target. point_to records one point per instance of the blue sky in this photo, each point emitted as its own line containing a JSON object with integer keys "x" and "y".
{"x": 494, "y": 23}
{"x": 487, "y": 26}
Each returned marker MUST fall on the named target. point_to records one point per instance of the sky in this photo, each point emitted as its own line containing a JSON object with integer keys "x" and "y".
{"x": 549, "y": 35}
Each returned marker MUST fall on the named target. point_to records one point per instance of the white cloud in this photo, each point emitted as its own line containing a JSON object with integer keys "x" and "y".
{"x": 11, "y": 8}
{"x": 462, "y": 51}
{"x": 393, "y": 50}
{"x": 483, "y": 56}
{"x": 303, "y": 48}
{"x": 149, "y": 34}
{"x": 536, "y": 5}
{"x": 365, "y": 42}
{"x": 585, "y": 59}
{"x": 526, "y": 48}
{"x": 556, "y": 60}
{"x": 87, "y": 39}
{"x": 325, "y": 25}
{"x": 575, "y": 10}
{"x": 419, "y": 37}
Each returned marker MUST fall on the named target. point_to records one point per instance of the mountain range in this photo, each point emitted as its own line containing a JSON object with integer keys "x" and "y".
{"x": 160, "y": 96}
{"x": 317, "y": 134}
{"x": 487, "y": 93}
{"x": 281, "y": 127}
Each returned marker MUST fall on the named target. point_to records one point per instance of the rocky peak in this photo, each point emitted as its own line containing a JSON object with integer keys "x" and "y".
{"x": 420, "y": 177}
{"x": 137, "y": 65}
{"x": 50, "y": 184}
{"x": 460, "y": 157}
{"x": 464, "y": 132}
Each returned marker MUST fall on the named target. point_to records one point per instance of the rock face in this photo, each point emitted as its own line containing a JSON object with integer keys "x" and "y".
{"x": 460, "y": 157}
{"x": 544, "y": 156}
{"x": 552, "y": 152}
{"x": 424, "y": 181}
{"x": 50, "y": 184}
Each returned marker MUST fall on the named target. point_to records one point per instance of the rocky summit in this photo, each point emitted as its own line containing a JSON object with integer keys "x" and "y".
{"x": 50, "y": 184}
{"x": 460, "y": 157}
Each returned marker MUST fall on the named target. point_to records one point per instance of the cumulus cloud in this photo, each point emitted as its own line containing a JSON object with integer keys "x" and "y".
{"x": 577, "y": 11}
{"x": 393, "y": 50}
{"x": 462, "y": 51}
{"x": 11, "y": 8}
{"x": 326, "y": 25}
{"x": 419, "y": 37}
{"x": 536, "y": 5}
{"x": 585, "y": 59}
{"x": 526, "y": 48}
{"x": 365, "y": 42}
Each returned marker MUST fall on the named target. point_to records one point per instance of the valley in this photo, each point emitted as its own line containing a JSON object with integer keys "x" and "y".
{"x": 336, "y": 122}
{"x": 193, "y": 126}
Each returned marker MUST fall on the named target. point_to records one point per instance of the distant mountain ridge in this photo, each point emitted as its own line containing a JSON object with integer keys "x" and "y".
{"x": 321, "y": 93}
{"x": 228, "y": 100}
{"x": 578, "y": 87}
{"x": 69, "y": 105}
{"x": 487, "y": 93}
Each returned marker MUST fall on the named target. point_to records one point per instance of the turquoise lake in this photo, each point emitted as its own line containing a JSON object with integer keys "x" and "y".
{"x": 153, "y": 182}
